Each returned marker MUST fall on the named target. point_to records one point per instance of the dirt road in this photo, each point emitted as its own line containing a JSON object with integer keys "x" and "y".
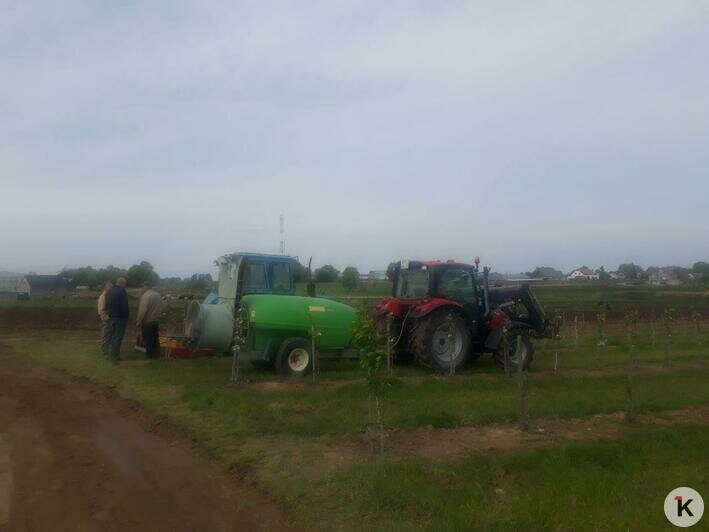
{"x": 76, "y": 457}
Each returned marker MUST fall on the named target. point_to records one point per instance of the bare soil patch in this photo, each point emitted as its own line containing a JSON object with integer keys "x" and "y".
{"x": 329, "y": 453}
{"x": 45, "y": 318}
{"x": 18, "y": 317}
{"x": 74, "y": 456}
{"x": 454, "y": 443}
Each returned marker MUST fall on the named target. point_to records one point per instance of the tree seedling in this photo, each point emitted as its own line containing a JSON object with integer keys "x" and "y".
{"x": 631, "y": 330}
{"x": 697, "y": 320}
{"x": 241, "y": 323}
{"x": 668, "y": 318}
{"x": 372, "y": 358}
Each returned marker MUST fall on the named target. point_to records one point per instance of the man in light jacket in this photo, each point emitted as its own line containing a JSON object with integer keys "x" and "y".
{"x": 106, "y": 327}
{"x": 148, "y": 319}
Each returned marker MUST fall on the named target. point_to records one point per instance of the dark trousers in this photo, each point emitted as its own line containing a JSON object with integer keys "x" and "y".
{"x": 118, "y": 330}
{"x": 151, "y": 339}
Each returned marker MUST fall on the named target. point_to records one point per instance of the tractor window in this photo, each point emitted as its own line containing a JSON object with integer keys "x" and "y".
{"x": 458, "y": 285}
{"x": 280, "y": 277}
{"x": 255, "y": 276}
{"x": 412, "y": 284}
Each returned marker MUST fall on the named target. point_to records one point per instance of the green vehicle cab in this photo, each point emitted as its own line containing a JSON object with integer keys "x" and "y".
{"x": 256, "y": 305}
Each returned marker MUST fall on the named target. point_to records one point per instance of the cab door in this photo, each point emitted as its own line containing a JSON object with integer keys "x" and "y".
{"x": 458, "y": 284}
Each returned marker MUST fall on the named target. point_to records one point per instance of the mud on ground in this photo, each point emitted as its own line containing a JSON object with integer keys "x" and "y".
{"x": 74, "y": 456}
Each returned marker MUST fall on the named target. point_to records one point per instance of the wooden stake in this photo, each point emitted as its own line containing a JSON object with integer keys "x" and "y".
{"x": 506, "y": 348}
{"x": 521, "y": 387}
{"x": 601, "y": 341}
{"x": 668, "y": 318}
{"x": 630, "y": 396}
{"x": 556, "y": 359}
{"x": 381, "y": 425}
{"x": 389, "y": 340}
{"x": 449, "y": 321}
{"x": 316, "y": 362}
{"x": 652, "y": 331}
{"x": 576, "y": 332}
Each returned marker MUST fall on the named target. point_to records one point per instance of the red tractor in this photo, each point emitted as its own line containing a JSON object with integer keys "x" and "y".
{"x": 444, "y": 314}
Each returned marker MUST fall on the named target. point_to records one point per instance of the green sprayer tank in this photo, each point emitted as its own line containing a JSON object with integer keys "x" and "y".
{"x": 271, "y": 320}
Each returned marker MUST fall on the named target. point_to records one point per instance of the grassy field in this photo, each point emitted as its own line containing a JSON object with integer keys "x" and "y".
{"x": 308, "y": 444}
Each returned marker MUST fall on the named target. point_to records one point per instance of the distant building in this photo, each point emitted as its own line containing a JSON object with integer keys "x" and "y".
{"x": 662, "y": 276}
{"x": 9, "y": 281}
{"x": 546, "y": 272}
{"x": 377, "y": 275}
{"x": 617, "y": 276}
{"x": 500, "y": 279}
{"x": 582, "y": 274}
{"x": 42, "y": 286}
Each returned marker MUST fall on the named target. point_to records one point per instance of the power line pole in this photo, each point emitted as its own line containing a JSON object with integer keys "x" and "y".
{"x": 283, "y": 235}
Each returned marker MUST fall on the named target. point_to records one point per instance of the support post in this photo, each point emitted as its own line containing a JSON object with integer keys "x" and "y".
{"x": 506, "y": 348}
{"x": 451, "y": 368}
{"x": 389, "y": 345}
{"x": 576, "y": 332}
{"x": 316, "y": 362}
{"x": 556, "y": 359}
{"x": 521, "y": 387}
{"x": 601, "y": 341}
{"x": 235, "y": 365}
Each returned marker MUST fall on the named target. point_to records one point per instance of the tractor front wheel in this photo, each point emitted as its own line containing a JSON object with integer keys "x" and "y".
{"x": 440, "y": 340}
{"x": 294, "y": 358}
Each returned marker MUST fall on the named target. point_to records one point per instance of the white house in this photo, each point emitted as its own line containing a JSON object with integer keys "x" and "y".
{"x": 9, "y": 282}
{"x": 582, "y": 274}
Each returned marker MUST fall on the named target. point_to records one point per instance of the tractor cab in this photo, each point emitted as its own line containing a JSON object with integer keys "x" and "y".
{"x": 420, "y": 287}
{"x": 241, "y": 274}
{"x": 419, "y": 280}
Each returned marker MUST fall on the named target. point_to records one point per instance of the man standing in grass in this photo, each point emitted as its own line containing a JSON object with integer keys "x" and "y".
{"x": 117, "y": 308}
{"x": 105, "y": 320}
{"x": 148, "y": 317}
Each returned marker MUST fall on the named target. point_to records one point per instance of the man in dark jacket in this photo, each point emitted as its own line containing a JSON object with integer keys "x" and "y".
{"x": 117, "y": 308}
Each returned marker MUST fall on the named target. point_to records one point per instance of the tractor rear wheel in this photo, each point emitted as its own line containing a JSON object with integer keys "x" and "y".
{"x": 294, "y": 358}
{"x": 526, "y": 352}
{"x": 439, "y": 337}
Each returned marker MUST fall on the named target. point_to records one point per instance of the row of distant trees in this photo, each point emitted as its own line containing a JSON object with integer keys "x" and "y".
{"x": 631, "y": 272}
{"x": 135, "y": 276}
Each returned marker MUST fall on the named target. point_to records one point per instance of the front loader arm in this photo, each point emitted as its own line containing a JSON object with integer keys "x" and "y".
{"x": 507, "y": 298}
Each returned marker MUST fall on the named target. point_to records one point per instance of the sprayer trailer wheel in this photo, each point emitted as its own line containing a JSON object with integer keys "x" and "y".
{"x": 294, "y": 358}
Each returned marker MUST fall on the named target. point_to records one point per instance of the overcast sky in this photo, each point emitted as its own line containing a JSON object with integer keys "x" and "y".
{"x": 529, "y": 133}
